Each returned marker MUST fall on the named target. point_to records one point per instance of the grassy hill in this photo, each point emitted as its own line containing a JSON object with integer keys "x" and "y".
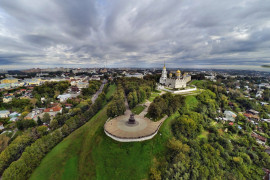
{"x": 88, "y": 153}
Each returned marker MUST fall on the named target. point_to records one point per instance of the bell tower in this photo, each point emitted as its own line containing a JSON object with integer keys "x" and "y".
{"x": 163, "y": 75}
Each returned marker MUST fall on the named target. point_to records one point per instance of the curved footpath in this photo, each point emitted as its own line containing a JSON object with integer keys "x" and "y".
{"x": 117, "y": 129}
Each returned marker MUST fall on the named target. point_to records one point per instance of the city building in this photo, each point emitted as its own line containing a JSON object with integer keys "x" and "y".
{"x": 64, "y": 97}
{"x": 81, "y": 85}
{"x": 103, "y": 70}
{"x": 4, "y": 113}
{"x": 54, "y": 110}
{"x": 7, "y": 99}
{"x": 137, "y": 75}
{"x": 33, "y": 81}
{"x": 1, "y": 126}
{"x": 9, "y": 80}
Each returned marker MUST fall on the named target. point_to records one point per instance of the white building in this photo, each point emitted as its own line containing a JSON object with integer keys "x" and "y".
{"x": 96, "y": 78}
{"x": 137, "y": 75}
{"x": 1, "y": 126}
{"x": 4, "y": 113}
{"x": 229, "y": 116}
{"x": 211, "y": 78}
{"x": 82, "y": 85}
{"x": 7, "y": 99}
{"x": 179, "y": 81}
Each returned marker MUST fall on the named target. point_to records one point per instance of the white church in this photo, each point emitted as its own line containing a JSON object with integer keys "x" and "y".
{"x": 178, "y": 81}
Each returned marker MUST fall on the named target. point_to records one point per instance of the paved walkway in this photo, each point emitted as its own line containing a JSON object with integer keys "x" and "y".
{"x": 118, "y": 128}
{"x": 95, "y": 96}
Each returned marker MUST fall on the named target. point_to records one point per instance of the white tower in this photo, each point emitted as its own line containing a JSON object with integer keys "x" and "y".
{"x": 163, "y": 77}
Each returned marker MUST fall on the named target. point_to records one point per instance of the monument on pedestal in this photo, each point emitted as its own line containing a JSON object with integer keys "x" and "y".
{"x": 131, "y": 121}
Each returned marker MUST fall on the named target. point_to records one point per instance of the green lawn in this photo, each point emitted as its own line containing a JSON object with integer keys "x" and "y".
{"x": 191, "y": 102}
{"x": 138, "y": 109}
{"x": 88, "y": 153}
{"x": 153, "y": 96}
{"x": 197, "y": 82}
{"x": 111, "y": 90}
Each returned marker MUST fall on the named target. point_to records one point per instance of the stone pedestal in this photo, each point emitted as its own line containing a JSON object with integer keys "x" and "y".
{"x": 131, "y": 119}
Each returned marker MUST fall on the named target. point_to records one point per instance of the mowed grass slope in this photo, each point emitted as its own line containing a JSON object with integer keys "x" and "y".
{"x": 64, "y": 159}
{"x": 88, "y": 153}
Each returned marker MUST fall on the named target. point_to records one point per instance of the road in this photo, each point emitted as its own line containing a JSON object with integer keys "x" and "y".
{"x": 95, "y": 96}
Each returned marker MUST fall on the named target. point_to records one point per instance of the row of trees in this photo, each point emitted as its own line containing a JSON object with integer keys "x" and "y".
{"x": 117, "y": 105}
{"x": 137, "y": 96}
{"x": 32, "y": 156}
{"x": 14, "y": 150}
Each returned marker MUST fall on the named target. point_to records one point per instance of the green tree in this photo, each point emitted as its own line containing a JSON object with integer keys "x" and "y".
{"x": 54, "y": 124}
{"x": 39, "y": 121}
{"x": 65, "y": 130}
{"x": 42, "y": 130}
{"x": 154, "y": 111}
{"x": 46, "y": 118}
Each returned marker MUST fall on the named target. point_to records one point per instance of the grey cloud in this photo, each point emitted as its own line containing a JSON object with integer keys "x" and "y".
{"x": 134, "y": 33}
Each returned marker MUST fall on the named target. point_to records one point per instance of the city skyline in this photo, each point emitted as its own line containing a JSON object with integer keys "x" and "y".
{"x": 188, "y": 34}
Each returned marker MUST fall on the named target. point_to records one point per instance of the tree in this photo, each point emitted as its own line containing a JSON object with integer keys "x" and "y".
{"x": 42, "y": 130}
{"x": 39, "y": 121}
{"x": 19, "y": 124}
{"x": 186, "y": 126}
{"x": 54, "y": 124}
{"x": 65, "y": 130}
{"x": 240, "y": 117}
{"x": 28, "y": 123}
{"x": 130, "y": 100}
{"x": 71, "y": 124}
{"x": 24, "y": 114}
{"x": 266, "y": 95}
{"x": 155, "y": 174}
{"x": 46, "y": 118}
{"x": 3, "y": 142}
{"x": 154, "y": 111}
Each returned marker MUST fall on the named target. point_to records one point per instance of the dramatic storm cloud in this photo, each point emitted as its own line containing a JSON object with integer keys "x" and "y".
{"x": 85, "y": 33}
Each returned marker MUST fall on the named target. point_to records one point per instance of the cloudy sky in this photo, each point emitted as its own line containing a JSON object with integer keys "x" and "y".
{"x": 134, "y": 33}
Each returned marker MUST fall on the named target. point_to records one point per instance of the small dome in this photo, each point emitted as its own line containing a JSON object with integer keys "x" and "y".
{"x": 178, "y": 71}
{"x": 164, "y": 67}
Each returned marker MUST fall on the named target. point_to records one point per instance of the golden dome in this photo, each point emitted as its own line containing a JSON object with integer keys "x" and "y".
{"x": 178, "y": 71}
{"x": 164, "y": 67}
{"x": 170, "y": 74}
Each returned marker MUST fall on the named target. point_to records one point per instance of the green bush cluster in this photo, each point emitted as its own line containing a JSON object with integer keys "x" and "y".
{"x": 165, "y": 104}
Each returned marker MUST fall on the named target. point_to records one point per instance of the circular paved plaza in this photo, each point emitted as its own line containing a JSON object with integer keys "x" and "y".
{"x": 144, "y": 128}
